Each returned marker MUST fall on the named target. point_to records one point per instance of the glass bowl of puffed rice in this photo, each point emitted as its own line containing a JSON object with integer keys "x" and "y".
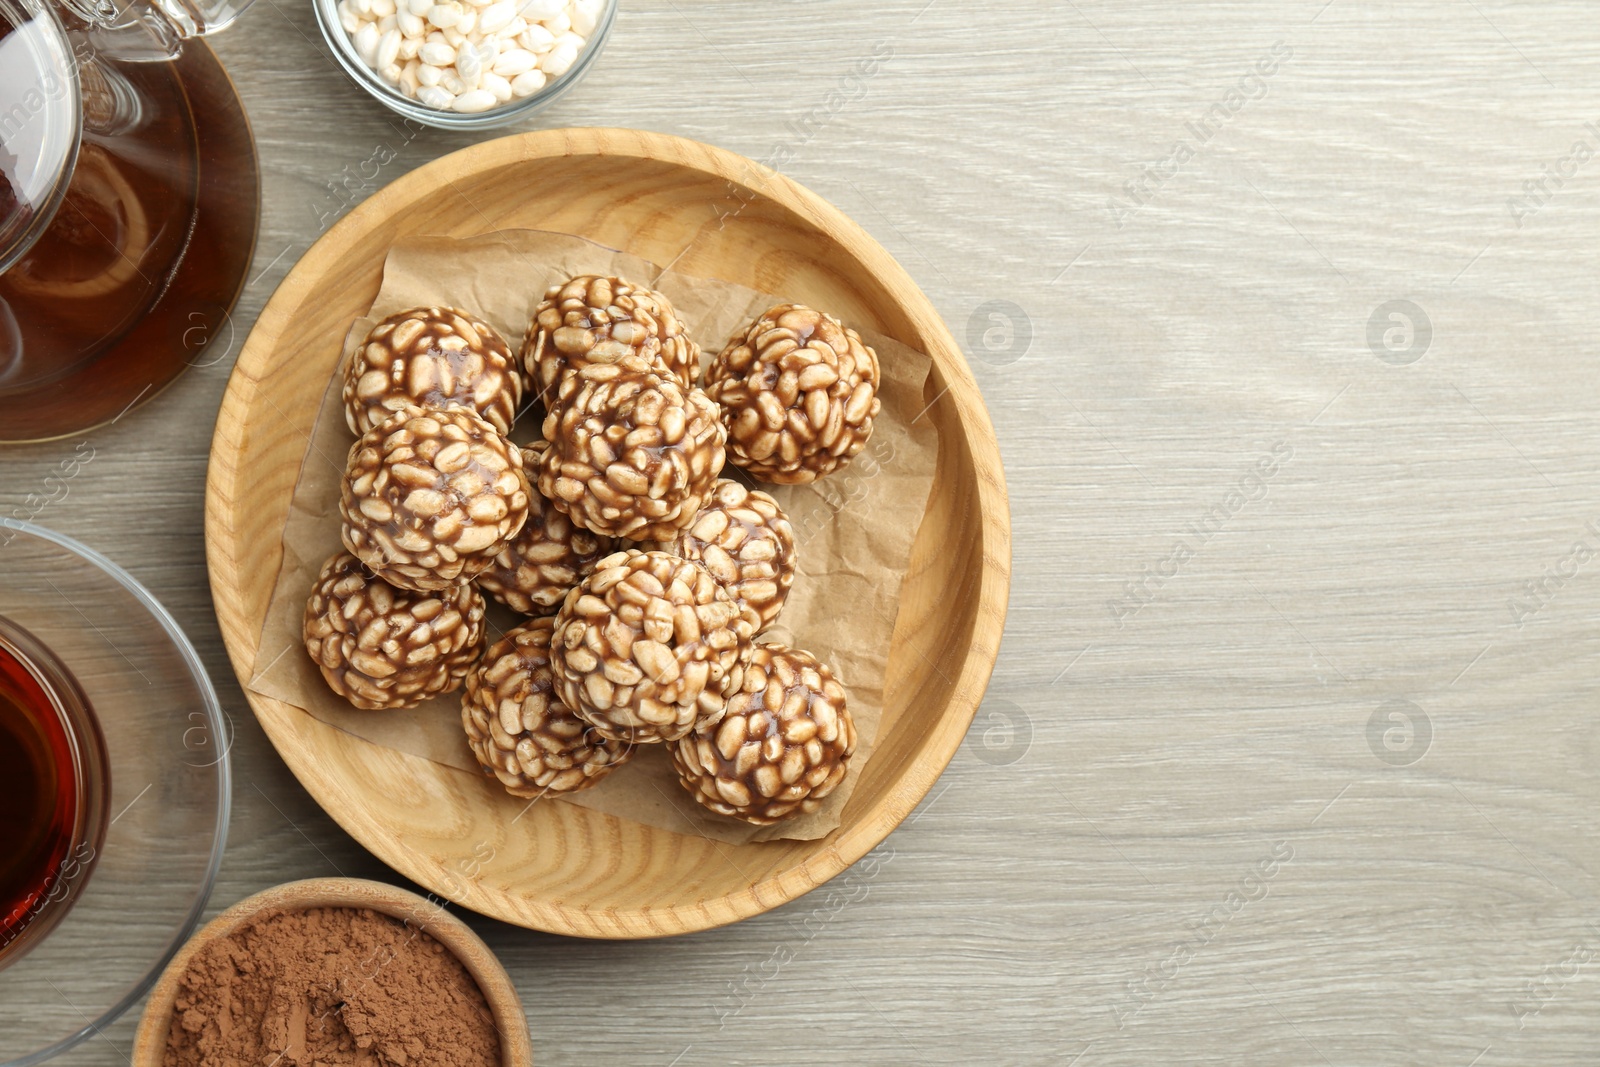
{"x": 466, "y": 64}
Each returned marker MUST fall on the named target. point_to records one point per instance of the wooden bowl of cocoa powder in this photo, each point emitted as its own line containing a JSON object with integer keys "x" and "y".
{"x": 340, "y": 972}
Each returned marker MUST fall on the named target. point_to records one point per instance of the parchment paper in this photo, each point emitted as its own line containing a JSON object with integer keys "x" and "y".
{"x": 853, "y": 529}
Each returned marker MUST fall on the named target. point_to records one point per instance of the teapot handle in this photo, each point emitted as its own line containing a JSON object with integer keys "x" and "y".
{"x": 149, "y": 31}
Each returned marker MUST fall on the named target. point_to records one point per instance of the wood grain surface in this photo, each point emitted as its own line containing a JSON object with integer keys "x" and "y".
{"x": 1177, "y": 833}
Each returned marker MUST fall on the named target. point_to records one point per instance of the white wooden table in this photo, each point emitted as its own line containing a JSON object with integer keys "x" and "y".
{"x": 1283, "y": 762}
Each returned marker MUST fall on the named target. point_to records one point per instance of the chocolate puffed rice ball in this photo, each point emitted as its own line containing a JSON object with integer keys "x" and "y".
{"x": 798, "y": 391}
{"x": 431, "y": 358}
{"x": 646, "y": 647}
{"x": 549, "y": 555}
{"x": 745, "y": 541}
{"x": 595, "y": 319}
{"x": 381, "y": 647}
{"x": 632, "y": 453}
{"x": 783, "y": 745}
{"x": 429, "y": 499}
{"x": 518, "y": 728}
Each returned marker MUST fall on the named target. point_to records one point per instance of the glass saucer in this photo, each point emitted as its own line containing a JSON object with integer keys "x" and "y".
{"x": 170, "y": 789}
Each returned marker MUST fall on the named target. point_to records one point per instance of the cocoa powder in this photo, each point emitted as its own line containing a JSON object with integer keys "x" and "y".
{"x": 329, "y": 987}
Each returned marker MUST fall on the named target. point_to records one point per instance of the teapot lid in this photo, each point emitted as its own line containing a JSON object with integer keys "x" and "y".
{"x": 39, "y": 122}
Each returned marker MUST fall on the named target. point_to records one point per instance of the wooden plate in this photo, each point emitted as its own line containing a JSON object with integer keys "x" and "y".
{"x": 516, "y": 1048}
{"x": 563, "y": 868}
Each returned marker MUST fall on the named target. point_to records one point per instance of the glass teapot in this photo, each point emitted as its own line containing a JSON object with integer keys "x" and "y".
{"x": 103, "y": 186}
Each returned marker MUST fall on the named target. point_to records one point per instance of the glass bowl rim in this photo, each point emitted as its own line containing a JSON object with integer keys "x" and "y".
{"x": 344, "y": 51}
{"x": 224, "y": 807}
